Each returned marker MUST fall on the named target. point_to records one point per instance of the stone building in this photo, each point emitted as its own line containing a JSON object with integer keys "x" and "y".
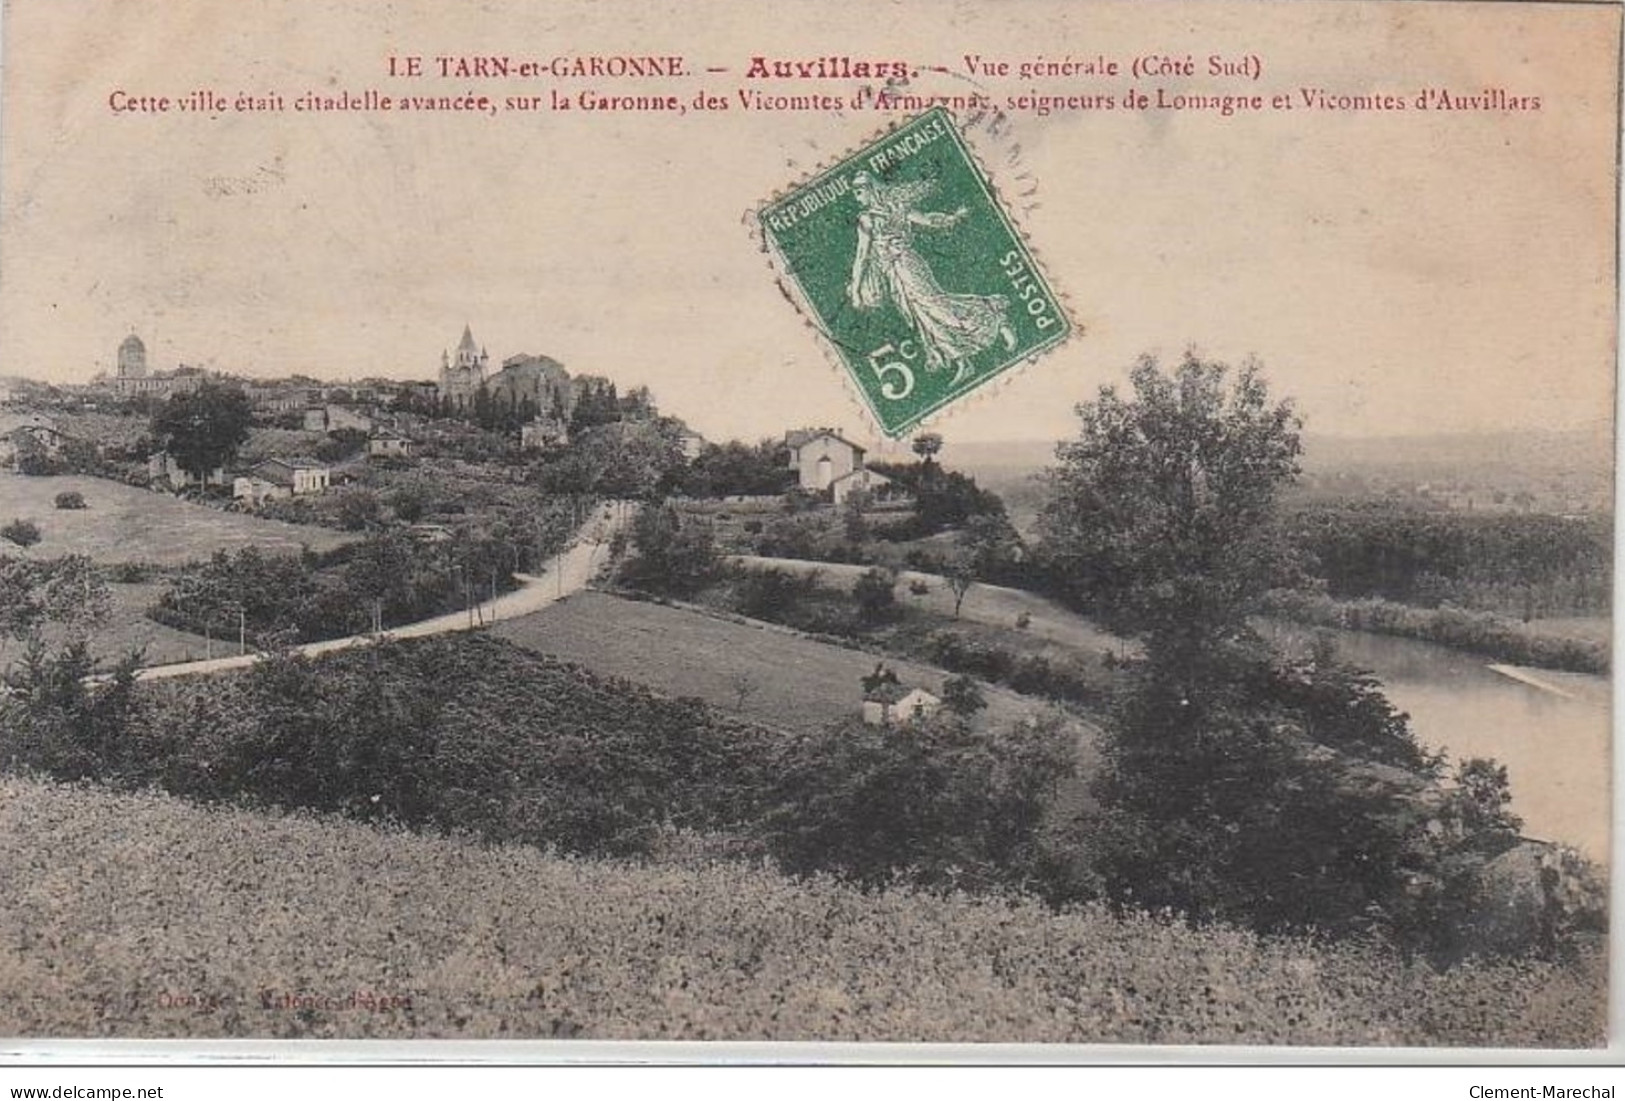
{"x": 539, "y": 384}
{"x": 463, "y": 373}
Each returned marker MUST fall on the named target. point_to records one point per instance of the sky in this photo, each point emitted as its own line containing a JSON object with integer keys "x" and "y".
{"x": 1395, "y": 272}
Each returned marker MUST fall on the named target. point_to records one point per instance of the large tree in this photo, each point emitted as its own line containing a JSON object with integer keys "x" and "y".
{"x": 203, "y": 428}
{"x": 1162, "y": 511}
{"x": 1237, "y": 784}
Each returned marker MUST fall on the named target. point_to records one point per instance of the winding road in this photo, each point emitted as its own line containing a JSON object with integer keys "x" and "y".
{"x": 569, "y": 573}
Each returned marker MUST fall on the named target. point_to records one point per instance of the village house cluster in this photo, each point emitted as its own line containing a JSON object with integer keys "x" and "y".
{"x": 394, "y": 416}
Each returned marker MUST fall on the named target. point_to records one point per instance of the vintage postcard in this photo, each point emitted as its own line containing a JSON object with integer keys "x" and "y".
{"x": 1041, "y": 523}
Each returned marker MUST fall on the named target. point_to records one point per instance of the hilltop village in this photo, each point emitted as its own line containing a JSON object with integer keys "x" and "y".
{"x": 1070, "y": 750}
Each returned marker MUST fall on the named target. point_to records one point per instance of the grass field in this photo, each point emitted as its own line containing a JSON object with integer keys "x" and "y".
{"x": 124, "y": 524}
{"x": 142, "y": 916}
{"x": 127, "y": 628}
{"x": 990, "y": 605}
{"x": 795, "y": 683}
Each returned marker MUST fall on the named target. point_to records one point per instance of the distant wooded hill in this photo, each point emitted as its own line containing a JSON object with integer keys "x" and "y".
{"x": 1562, "y": 469}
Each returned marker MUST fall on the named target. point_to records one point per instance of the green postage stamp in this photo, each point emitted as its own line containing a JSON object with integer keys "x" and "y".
{"x": 905, "y": 260}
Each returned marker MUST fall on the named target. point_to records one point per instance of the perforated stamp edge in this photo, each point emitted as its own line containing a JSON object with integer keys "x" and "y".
{"x": 789, "y": 286}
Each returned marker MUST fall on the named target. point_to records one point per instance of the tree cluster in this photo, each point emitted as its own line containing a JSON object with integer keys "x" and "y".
{"x": 388, "y": 579}
{"x": 738, "y": 469}
{"x": 943, "y": 499}
{"x": 1515, "y": 564}
{"x": 1289, "y": 796}
{"x": 628, "y": 460}
{"x": 204, "y": 427}
{"x": 672, "y": 555}
{"x": 1239, "y": 785}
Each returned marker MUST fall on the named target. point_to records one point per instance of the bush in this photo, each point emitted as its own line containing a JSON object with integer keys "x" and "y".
{"x": 876, "y": 596}
{"x": 62, "y": 726}
{"x": 341, "y": 444}
{"x": 935, "y": 803}
{"x": 796, "y": 537}
{"x": 954, "y": 651}
{"x": 40, "y": 463}
{"x": 70, "y": 500}
{"x": 1030, "y": 674}
{"x": 357, "y": 508}
{"x": 1034, "y": 676}
{"x": 24, "y": 533}
{"x": 963, "y": 696}
{"x": 773, "y": 594}
{"x": 131, "y": 573}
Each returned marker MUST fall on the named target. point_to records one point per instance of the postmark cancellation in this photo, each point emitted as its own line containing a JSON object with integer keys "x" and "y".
{"x": 904, "y": 258}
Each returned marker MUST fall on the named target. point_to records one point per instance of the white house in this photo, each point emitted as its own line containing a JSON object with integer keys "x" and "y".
{"x": 897, "y": 705}
{"x": 821, "y": 457}
{"x": 255, "y": 491}
{"x": 282, "y": 478}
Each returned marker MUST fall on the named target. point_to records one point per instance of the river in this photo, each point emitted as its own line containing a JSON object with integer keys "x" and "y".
{"x": 1553, "y": 735}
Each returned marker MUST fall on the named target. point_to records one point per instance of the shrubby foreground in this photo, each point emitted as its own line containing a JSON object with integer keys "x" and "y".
{"x": 140, "y": 915}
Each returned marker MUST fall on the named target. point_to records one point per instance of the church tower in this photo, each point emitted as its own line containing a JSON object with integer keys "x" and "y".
{"x": 462, "y": 374}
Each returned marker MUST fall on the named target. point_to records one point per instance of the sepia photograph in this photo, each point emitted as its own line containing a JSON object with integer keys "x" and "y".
{"x": 1084, "y": 526}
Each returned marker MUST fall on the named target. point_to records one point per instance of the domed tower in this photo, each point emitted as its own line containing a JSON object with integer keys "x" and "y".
{"x": 132, "y": 358}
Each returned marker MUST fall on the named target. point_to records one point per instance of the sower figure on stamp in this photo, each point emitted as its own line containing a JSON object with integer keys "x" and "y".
{"x": 951, "y": 327}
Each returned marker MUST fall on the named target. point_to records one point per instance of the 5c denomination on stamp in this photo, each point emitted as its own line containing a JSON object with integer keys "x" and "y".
{"x": 905, "y": 259}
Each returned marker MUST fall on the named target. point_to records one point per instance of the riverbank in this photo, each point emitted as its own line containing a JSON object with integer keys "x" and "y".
{"x": 1483, "y": 633}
